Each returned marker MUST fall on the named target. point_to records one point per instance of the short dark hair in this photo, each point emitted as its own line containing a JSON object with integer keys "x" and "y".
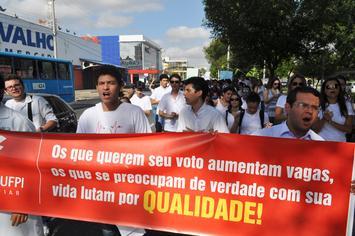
{"x": 175, "y": 76}
{"x": 139, "y": 85}
{"x": 12, "y": 77}
{"x": 292, "y": 95}
{"x": 199, "y": 83}
{"x": 246, "y": 86}
{"x": 108, "y": 70}
{"x": 228, "y": 88}
{"x": 163, "y": 76}
{"x": 253, "y": 97}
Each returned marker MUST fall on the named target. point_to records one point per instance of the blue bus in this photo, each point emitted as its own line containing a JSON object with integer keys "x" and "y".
{"x": 41, "y": 74}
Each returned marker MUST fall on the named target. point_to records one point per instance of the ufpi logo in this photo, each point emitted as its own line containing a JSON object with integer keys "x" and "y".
{"x": 2, "y": 138}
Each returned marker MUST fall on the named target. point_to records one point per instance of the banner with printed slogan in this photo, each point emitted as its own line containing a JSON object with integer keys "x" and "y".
{"x": 193, "y": 183}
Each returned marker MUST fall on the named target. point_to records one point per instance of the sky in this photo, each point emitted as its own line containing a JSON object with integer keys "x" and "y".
{"x": 175, "y": 25}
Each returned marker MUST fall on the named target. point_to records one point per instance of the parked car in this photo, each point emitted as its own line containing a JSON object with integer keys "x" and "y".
{"x": 350, "y": 87}
{"x": 283, "y": 83}
{"x": 67, "y": 122}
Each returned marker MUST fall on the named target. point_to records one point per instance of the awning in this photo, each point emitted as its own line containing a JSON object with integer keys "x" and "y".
{"x": 97, "y": 63}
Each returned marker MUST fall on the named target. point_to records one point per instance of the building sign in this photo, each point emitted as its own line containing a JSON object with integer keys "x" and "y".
{"x": 18, "y": 39}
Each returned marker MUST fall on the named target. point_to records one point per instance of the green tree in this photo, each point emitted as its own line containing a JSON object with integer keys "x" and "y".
{"x": 271, "y": 31}
{"x": 216, "y": 55}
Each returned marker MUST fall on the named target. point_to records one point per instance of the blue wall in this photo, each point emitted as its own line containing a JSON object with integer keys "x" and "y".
{"x": 110, "y": 49}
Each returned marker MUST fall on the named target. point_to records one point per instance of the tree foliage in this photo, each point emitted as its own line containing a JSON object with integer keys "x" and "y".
{"x": 275, "y": 31}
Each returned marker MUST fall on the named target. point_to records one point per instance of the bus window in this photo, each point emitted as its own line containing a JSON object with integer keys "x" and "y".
{"x": 63, "y": 71}
{"x": 25, "y": 68}
{"x": 5, "y": 66}
{"x": 47, "y": 70}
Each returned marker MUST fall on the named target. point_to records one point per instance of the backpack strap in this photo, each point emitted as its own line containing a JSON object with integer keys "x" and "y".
{"x": 29, "y": 110}
{"x": 261, "y": 114}
{"x": 242, "y": 112}
{"x": 227, "y": 117}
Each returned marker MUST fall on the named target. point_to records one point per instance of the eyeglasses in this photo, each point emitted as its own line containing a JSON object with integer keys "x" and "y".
{"x": 246, "y": 91}
{"x": 12, "y": 87}
{"x": 297, "y": 84}
{"x": 234, "y": 99}
{"x": 175, "y": 82}
{"x": 332, "y": 86}
{"x": 305, "y": 106}
{"x": 276, "y": 83}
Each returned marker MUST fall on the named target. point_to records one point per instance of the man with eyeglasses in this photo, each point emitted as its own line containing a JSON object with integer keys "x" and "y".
{"x": 171, "y": 104}
{"x": 36, "y": 108}
{"x": 244, "y": 95}
{"x": 24, "y": 224}
{"x": 302, "y": 109}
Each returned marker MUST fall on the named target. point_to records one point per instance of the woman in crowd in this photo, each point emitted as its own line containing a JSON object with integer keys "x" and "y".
{"x": 223, "y": 101}
{"x": 259, "y": 89}
{"x": 297, "y": 80}
{"x": 271, "y": 94}
{"x": 234, "y": 107}
{"x": 334, "y": 120}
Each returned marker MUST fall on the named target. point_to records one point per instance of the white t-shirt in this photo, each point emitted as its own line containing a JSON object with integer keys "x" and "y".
{"x": 220, "y": 107}
{"x": 143, "y": 102}
{"x": 244, "y": 104}
{"x": 168, "y": 105}
{"x": 159, "y": 92}
{"x": 281, "y": 102}
{"x": 42, "y": 112}
{"x": 207, "y": 118}
{"x": 329, "y": 132}
{"x": 252, "y": 123}
{"x": 230, "y": 120}
{"x": 127, "y": 118}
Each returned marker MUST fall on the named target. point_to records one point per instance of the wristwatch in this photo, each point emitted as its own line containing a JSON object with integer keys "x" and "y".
{"x": 42, "y": 129}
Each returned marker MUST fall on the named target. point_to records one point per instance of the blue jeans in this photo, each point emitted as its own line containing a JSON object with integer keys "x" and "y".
{"x": 158, "y": 120}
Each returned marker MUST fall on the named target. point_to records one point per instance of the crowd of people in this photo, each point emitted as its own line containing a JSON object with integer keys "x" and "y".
{"x": 239, "y": 106}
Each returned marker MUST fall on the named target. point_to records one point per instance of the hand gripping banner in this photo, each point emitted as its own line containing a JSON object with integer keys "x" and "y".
{"x": 194, "y": 183}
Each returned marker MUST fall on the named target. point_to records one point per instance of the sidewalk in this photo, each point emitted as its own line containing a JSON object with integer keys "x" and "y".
{"x": 84, "y": 94}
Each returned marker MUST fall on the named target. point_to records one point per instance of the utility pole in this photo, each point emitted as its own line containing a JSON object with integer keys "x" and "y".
{"x": 51, "y": 22}
{"x": 54, "y": 32}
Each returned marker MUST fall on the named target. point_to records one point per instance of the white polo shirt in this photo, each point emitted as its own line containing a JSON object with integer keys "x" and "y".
{"x": 168, "y": 105}
{"x": 207, "y": 118}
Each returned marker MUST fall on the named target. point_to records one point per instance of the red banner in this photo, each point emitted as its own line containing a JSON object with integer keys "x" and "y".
{"x": 193, "y": 183}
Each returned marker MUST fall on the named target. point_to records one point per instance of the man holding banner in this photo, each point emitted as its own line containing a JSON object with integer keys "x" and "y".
{"x": 302, "y": 110}
{"x": 25, "y": 224}
{"x": 112, "y": 115}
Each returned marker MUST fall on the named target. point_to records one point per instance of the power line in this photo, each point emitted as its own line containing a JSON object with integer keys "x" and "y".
{"x": 82, "y": 11}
